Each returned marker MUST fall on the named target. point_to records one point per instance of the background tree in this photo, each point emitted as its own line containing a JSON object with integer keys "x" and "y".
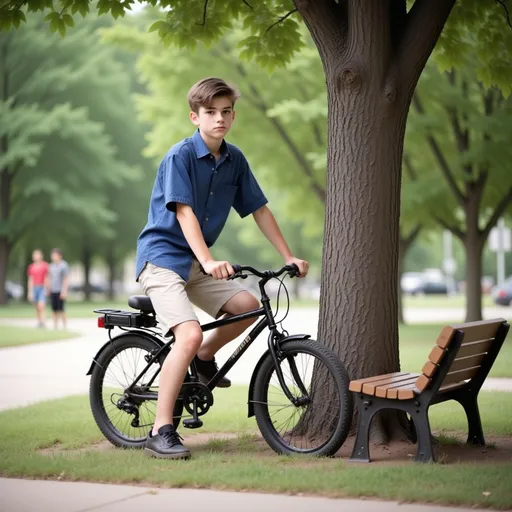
{"x": 69, "y": 142}
{"x": 465, "y": 126}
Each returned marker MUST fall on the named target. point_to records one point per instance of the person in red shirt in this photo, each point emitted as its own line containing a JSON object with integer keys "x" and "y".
{"x": 38, "y": 284}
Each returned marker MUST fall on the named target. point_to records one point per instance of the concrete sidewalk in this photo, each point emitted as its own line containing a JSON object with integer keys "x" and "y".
{"x": 52, "y": 496}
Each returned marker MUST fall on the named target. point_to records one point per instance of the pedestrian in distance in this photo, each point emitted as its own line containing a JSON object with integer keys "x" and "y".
{"x": 37, "y": 285}
{"x": 58, "y": 287}
{"x": 197, "y": 183}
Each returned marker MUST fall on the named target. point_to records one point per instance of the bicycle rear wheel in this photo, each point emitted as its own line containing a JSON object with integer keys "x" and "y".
{"x": 124, "y": 420}
{"x": 320, "y": 423}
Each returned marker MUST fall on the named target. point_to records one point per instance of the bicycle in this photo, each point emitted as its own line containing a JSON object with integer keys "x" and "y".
{"x": 295, "y": 375}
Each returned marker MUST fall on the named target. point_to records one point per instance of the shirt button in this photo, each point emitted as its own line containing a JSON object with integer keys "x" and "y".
{"x": 213, "y": 168}
{"x": 206, "y": 219}
{"x": 211, "y": 193}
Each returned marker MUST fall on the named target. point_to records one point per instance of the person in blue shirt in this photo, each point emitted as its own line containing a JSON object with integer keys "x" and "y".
{"x": 197, "y": 183}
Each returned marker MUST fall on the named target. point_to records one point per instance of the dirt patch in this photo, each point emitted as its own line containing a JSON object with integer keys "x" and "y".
{"x": 498, "y": 449}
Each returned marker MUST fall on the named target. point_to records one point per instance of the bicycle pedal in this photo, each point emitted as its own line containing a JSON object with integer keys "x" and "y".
{"x": 192, "y": 423}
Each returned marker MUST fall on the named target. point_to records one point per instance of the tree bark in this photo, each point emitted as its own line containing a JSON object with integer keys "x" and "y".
{"x": 372, "y": 58}
{"x": 86, "y": 262}
{"x": 4, "y": 259}
{"x": 473, "y": 244}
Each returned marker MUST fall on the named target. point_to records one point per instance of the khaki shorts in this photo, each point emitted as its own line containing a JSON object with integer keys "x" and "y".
{"x": 172, "y": 296}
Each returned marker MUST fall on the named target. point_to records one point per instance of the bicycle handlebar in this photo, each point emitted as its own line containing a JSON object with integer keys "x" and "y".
{"x": 292, "y": 270}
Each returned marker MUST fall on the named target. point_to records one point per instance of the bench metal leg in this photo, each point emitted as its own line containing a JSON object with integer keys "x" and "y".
{"x": 475, "y": 432}
{"x": 361, "y": 451}
{"x": 425, "y": 452}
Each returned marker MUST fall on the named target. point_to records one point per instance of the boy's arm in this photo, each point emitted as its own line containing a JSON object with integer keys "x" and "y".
{"x": 194, "y": 237}
{"x": 268, "y": 226}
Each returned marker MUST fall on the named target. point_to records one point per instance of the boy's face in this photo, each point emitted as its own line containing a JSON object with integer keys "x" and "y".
{"x": 215, "y": 120}
{"x": 56, "y": 257}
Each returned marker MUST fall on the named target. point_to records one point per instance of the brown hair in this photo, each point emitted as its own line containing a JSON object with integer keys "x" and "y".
{"x": 202, "y": 93}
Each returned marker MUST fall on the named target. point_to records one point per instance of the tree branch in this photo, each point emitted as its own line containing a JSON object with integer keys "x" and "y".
{"x": 424, "y": 24}
{"x": 314, "y": 125}
{"x": 203, "y": 23}
{"x": 498, "y": 212}
{"x": 397, "y": 19}
{"x": 456, "y": 231}
{"x": 409, "y": 239}
{"x": 409, "y": 167}
{"x": 326, "y": 19}
{"x": 281, "y": 19}
{"x": 443, "y": 164}
{"x": 248, "y": 4}
{"x": 507, "y": 15}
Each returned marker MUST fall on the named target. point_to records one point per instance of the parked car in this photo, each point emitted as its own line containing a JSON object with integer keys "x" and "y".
{"x": 502, "y": 295}
{"x": 428, "y": 283}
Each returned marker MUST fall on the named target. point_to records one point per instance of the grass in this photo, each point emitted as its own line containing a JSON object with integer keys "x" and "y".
{"x": 66, "y": 427}
{"x": 12, "y": 336}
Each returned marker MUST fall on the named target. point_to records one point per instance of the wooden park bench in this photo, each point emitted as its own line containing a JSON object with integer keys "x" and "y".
{"x": 456, "y": 369}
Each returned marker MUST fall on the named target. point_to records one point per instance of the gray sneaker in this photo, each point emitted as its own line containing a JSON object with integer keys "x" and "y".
{"x": 166, "y": 444}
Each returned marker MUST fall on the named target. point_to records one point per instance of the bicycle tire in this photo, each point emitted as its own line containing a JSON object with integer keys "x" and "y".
{"x": 96, "y": 397}
{"x": 343, "y": 401}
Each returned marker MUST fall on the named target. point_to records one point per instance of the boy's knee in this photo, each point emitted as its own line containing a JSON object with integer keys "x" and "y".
{"x": 190, "y": 335}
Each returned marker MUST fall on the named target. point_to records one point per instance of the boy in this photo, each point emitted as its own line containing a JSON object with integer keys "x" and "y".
{"x": 58, "y": 286}
{"x": 37, "y": 283}
{"x": 197, "y": 182}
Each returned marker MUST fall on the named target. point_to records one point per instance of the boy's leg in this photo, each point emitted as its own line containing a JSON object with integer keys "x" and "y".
{"x": 241, "y": 303}
{"x": 188, "y": 337}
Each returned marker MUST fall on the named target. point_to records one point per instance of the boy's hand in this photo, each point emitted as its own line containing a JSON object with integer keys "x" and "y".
{"x": 218, "y": 269}
{"x": 302, "y": 264}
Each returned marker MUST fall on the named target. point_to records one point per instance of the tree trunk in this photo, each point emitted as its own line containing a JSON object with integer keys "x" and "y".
{"x": 4, "y": 260}
{"x": 473, "y": 244}
{"x": 111, "y": 261}
{"x": 86, "y": 261}
{"x": 372, "y": 57}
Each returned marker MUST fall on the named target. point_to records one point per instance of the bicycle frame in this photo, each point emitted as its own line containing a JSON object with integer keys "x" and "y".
{"x": 273, "y": 339}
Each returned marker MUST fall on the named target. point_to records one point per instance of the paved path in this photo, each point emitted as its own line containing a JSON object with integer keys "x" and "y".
{"x": 51, "y": 496}
{"x": 57, "y": 369}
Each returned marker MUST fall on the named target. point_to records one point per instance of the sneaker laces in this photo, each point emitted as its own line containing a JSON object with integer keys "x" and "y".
{"x": 172, "y": 437}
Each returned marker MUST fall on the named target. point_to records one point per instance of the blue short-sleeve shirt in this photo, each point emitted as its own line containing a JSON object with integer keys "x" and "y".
{"x": 189, "y": 174}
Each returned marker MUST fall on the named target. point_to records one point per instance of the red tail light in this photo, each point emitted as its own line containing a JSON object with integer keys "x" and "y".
{"x": 101, "y": 322}
{"x": 502, "y": 294}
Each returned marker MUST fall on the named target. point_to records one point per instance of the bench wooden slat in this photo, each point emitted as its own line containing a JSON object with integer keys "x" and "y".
{"x": 466, "y": 362}
{"x": 474, "y": 348}
{"x": 436, "y": 354}
{"x": 357, "y": 385}
{"x": 460, "y": 375}
{"x": 483, "y": 330}
{"x": 369, "y": 387}
{"x": 382, "y": 390}
{"x": 446, "y": 336}
{"x": 429, "y": 368}
{"x": 422, "y": 382}
{"x": 407, "y": 392}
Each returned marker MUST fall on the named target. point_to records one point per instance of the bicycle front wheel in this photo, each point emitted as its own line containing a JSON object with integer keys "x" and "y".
{"x": 123, "y": 419}
{"x": 319, "y": 421}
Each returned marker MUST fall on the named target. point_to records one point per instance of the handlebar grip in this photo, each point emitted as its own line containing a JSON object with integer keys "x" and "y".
{"x": 237, "y": 268}
{"x": 296, "y": 270}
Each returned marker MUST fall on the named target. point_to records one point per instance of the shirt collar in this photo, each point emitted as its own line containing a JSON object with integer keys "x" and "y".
{"x": 202, "y": 150}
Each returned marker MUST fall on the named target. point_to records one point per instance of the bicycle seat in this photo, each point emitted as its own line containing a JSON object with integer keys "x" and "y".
{"x": 142, "y": 303}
